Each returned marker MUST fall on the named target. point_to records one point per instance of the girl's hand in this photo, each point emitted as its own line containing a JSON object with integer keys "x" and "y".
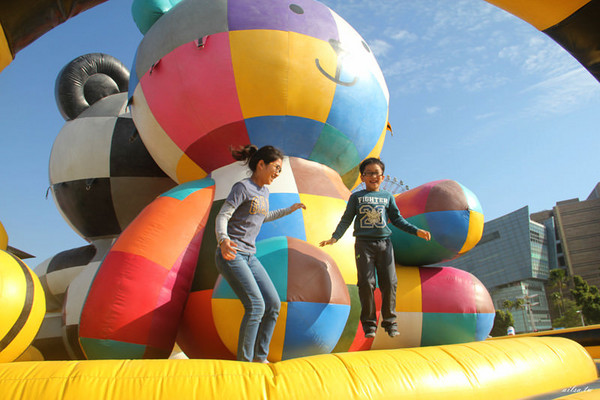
{"x": 327, "y": 242}
{"x": 423, "y": 234}
{"x": 297, "y": 206}
{"x": 228, "y": 250}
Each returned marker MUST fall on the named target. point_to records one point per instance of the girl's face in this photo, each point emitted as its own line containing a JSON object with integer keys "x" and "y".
{"x": 372, "y": 177}
{"x": 265, "y": 174}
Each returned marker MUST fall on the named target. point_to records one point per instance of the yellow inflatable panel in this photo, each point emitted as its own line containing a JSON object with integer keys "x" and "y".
{"x": 31, "y": 354}
{"x": 588, "y": 336}
{"x": 3, "y": 238}
{"x": 321, "y": 217}
{"x": 229, "y": 312}
{"x": 475, "y": 231}
{"x": 187, "y": 170}
{"x": 22, "y": 306}
{"x": 310, "y": 101}
{"x": 408, "y": 294}
{"x": 502, "y": 369}
{"x": 5, "y": 54}
{"x": 540, "y": 13}
{"x": 594, "y": 351}
{"x": 273, "y": 72}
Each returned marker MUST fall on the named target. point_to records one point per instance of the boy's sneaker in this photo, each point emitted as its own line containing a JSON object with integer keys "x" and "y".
{"x": 370, "y": 335}
{"x": 393, "y": 332}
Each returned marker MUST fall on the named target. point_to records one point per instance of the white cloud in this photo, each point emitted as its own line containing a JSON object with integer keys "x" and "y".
{"x": 561, "y": 94}
{"x": 432, "y": 110}
{"x": 404, "y": 36}
{"x": 380, "y": 47}
{"x": 510, "y": 53}
{"x": 537, "y": 54}
{"x": 485, "y": 116}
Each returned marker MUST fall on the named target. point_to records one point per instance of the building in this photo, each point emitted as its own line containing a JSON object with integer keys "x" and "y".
{"x": 517, "y": 251}
{"x": 512, "y": 261}
{"x": 577, "y": 235}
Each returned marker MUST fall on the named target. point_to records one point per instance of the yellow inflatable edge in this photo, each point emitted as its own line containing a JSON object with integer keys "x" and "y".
{"x": 542, "y": 14}
{"x": 502, "y": 369}
{"x": 6, "y": 56}
{"x": 588, "y": 336}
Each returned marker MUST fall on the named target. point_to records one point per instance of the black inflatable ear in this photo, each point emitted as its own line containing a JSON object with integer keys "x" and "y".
{"x": 87, "y": 79}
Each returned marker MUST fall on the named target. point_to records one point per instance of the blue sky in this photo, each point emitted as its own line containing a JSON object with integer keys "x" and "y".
{"x": 476, "y": 95}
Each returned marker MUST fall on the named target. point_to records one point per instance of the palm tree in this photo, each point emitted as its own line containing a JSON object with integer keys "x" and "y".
{"x": 557, "y": 301}
{"x": 519, "y": 304}
{"x": 558, "y": 279}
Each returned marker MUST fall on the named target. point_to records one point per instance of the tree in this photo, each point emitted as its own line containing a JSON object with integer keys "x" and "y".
{"x": 570, "y": 316}
{"x": 517, "y": 304}
{"x": 557, "y": 305}
{"x": 559, "y": 280}
{"x": 502, "y": 321}
{"x": 587, "y": 298}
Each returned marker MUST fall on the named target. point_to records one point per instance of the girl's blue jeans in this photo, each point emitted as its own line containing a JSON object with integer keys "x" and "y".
{"x": 253, "y": 286}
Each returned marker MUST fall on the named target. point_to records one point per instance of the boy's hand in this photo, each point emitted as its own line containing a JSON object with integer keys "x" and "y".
{"x": 228, "y": 250}
{"x": 326, "y": 242}
{"x": 297, "y": 206}
{"x": 423, "y": 234}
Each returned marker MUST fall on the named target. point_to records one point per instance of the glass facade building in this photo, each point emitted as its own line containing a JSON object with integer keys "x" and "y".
{"x": 512, "y": 260}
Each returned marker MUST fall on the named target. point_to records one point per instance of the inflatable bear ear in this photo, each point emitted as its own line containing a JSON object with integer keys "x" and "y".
{"x": 87, "y": 79}
{"x": 147, "y": 12}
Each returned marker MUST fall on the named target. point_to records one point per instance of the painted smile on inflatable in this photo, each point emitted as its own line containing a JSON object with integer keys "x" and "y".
{"x": 340, "y": 53}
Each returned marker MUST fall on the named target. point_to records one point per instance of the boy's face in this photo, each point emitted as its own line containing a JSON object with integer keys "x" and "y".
{"x": 372, "y": 177}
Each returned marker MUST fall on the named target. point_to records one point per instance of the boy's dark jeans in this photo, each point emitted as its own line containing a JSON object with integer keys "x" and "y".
{"x": 376, "y": 256}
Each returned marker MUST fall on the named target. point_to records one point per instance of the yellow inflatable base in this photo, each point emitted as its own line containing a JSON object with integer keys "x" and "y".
{"x": 499, "y": 369}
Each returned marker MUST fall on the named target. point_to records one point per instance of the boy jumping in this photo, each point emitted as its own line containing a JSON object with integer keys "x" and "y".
{"x": 373, "y": 248}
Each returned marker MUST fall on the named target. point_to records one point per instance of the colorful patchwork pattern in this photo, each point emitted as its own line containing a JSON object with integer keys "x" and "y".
{"x": 295, "y": 76}
{"x": 315, "y": 301}
{"x": 447, "y": 209}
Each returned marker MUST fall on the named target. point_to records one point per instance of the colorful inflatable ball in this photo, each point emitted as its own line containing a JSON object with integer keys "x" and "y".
{"x": 23, "y": 306}
{"x": 450, "y": 211}
{"x": 438, "y": 305}
{"x": 314, "y": 300}
{"x": 134, "y": 305}
{"x": 101, "y": 174}
{"x": 296, "y": 76}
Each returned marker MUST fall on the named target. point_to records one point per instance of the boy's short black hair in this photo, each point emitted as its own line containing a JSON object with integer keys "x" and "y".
{"x": 369, "y": 161}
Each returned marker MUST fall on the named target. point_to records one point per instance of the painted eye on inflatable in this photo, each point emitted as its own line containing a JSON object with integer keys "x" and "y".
{"x": 293, "y": 75}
